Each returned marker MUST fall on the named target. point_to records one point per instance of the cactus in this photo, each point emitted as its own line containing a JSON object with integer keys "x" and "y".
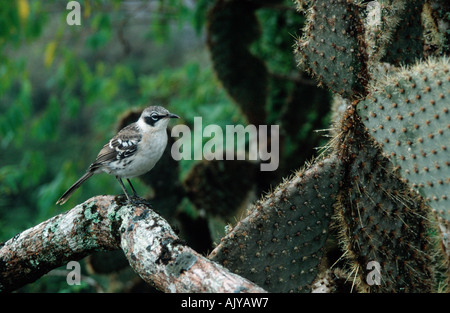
{"x": 381, "y": 176}
{"x": 332, "y": 47}
{"x": 332, "y": 281}
{"x": 402, "y": 39}
{"x": 377, "y": 208}
{"x": 232, "y": 26}
{"x": 408, "y": 114}
{"x": 396, "y": 123}
{"x": 280, "y": 243}
{"x": 210, "y": 188}
{"x": 379, "y": 217}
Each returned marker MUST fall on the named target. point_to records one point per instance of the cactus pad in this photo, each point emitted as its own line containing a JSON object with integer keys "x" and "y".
{"x": 405, "y": 42}
{"x": 380, "y": 218}
{"x": 218, "y": 186}
{"x": 232, "y": 27}
{"x": 333, "y": 47}
{"x": 279, "y": 244}
{"x": 408, "y": 115}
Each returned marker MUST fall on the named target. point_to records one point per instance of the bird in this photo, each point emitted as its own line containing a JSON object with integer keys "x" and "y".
{"x": 132, "y": 152}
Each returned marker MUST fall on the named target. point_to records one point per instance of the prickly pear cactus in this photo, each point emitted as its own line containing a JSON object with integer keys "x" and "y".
{"x": 280, "y": 243}
{"x": 408, "y": 115}
{"x": 232, "y": 27}
{"x": 395, "y": 156}
{"x": 380, "y": 218}
{"x": 387, "y": 169}
{"x": 209, "y": 187}
{"x": 401, "y": 41}
{"x": 332, "y": 47}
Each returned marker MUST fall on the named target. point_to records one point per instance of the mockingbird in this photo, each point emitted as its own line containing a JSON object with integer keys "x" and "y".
{"x": 132, "y": 152}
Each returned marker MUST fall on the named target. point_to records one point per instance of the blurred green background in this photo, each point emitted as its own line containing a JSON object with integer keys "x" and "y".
{"x": 65, "y": 90}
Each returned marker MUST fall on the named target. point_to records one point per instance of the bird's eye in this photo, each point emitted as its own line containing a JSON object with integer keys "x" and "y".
{"x": 154, "y": 116}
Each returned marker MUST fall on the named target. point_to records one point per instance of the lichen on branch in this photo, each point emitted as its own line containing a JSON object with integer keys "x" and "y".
{"x": 106, "y": 223}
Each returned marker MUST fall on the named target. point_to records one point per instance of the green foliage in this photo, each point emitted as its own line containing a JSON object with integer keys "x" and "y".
{"x": 192, "y": 91}
{"x": 101, "y": 26}
{"x": 65, "y": 90}
{"x": 20, "y": 20}
{"x": 73, "y": 87}
{"x": 258, "y": 70}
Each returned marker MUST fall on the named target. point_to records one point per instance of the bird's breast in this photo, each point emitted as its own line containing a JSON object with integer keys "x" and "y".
{"x": 150, "y": 149}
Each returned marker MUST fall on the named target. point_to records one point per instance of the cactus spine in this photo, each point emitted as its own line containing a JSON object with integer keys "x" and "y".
{"x": 280, "y": 243}
{"x": 386, "y": 170}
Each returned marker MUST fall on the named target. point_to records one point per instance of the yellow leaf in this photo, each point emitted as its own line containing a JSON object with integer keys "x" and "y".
{"x": 24, "y": 10}
{"x": 49, "y": 53}
{"x": 87, "y": 9}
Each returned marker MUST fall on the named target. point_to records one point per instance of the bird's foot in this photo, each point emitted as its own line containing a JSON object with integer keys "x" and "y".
{"x": 133, "y": 200}
{"x": 136, "y": 200}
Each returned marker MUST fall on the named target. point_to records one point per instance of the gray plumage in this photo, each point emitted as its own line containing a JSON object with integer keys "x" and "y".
{"x": 132, "y": 152}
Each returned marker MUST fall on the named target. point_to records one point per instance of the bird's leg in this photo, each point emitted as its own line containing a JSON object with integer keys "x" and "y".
{"x": 132, "y": 188}
{"x": 137, "y": 200}
{"x": 123, "y": 188}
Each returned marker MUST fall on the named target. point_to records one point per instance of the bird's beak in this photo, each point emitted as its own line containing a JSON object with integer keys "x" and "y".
{"x": 170, "y": 115}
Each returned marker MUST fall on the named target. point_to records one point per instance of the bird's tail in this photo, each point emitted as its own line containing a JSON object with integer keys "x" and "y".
{"x": 74, "y": 187}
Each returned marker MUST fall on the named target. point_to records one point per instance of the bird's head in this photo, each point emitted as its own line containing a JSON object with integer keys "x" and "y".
{"x": 155, "y": 117}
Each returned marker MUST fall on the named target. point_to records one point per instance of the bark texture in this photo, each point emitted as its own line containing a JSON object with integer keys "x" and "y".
{"x": 106, "y": 223}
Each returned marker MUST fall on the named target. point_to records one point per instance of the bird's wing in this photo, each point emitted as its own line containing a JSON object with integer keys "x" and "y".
{"x": 121, "y": 146}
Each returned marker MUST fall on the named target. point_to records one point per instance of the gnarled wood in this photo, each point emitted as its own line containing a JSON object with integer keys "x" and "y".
{"x": 106, "y": 223}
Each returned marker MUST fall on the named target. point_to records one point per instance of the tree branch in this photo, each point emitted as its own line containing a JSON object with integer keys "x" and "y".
{"x": 106, "y": 223}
